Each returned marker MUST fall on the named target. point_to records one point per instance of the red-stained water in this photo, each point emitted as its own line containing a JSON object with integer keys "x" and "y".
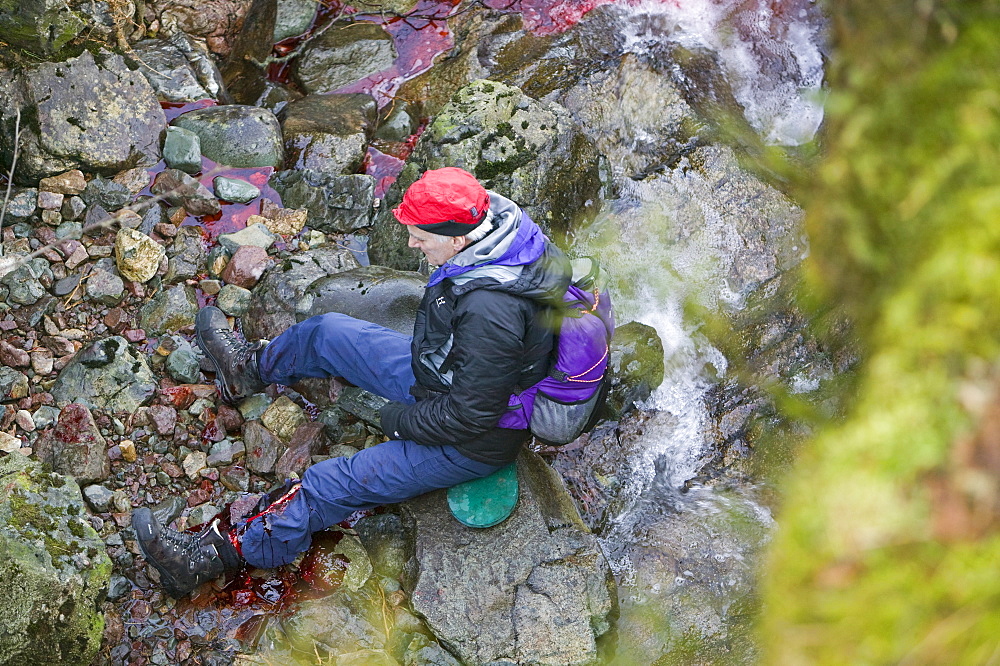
{"x": 548, "y": 17}
{"x": 233, "y": 216}
{"x": 173, "y": 109}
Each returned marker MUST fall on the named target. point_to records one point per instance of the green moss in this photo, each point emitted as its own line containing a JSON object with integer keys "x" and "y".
{"x": 28, "y": 515}
{"x": 885, "y": 554}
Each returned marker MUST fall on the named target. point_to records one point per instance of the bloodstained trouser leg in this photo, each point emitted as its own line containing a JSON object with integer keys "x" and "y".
{"x": 332, "y": 490}
{"x": 378, "y": 360}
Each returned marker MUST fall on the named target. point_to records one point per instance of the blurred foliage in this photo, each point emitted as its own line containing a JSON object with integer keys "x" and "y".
{"x": 890, "y": 530}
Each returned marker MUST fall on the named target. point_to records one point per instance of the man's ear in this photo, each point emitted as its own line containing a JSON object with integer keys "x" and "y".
{"x": 458, "y": 243}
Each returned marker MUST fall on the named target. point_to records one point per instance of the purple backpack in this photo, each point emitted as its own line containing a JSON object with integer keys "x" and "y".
{"x": 559, "y": 408}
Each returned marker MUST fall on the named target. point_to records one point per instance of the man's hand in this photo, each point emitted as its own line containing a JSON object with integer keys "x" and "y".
{"x": 390, "y": 416}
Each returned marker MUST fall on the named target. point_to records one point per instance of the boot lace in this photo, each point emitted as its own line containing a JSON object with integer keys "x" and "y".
{"x": 241, "y": 350}
{"x": 187, "y": 544}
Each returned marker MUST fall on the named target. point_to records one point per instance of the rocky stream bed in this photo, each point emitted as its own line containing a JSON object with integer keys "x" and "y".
{"x": 164, "y": 164}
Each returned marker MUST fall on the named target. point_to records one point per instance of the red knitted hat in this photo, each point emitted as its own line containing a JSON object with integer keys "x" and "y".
{"x": 447, "y": 202}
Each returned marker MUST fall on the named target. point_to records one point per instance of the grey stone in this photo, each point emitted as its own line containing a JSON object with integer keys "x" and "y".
{"x": 108, "y": 375}
{"x": 53, "y": 568}
{"x": 22, "y": 203}
{"x": 256, "y": 235}
{"x": 398, "y": 125}
{"x": 98, "y": 497}
{"x": 183, "y": 365}
{"x": 45, "y": 416}
{"x": 236, "y": 135}
{"x": 118, "y": 587}
{"x": 233, "y": 300}
{"x": 90, "y": 113}
{"x": 277, "y": 96}
{"x": 171, "y": 309}
{"x": 107, "y": 194}
{"x": 179, "y": 69}
{"x": 26, "y": 283}
{"x": 534, "y": 589}
{"x": 328, "y": 133}
{"x": 179, "y": 189}
{"x": 73, "y": 208}
{"x": 362, "y": 404}
{"x": 182, "y": 150}
{"x": 72, "y": 230}
{"x": 343, "y": 54}
{"x": 294, "y": 18}
{"x": 235, "y": 190}
{"x": 253, "y": 408}
{"x": 105, "y": 288}
{"x": 225, "y": 452}
{"x": 336, "y": 203}
{"x": 187, "y": 255}
{"x": 201, "y": 514}
{"x": 13, "y": 384}
{"x": 169, "y": 509}
{"x": 262, "y": 447}
{"x": 65, "y": 286}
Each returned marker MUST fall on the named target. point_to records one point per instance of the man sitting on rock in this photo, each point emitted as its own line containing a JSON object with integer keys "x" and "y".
{"x": 482, "y": 332}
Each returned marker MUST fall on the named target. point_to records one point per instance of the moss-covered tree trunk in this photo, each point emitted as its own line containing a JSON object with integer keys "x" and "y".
{"x": 889, "y": 546}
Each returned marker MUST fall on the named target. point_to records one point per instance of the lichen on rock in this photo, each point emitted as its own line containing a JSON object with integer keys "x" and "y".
{"x": 53, "y": 568}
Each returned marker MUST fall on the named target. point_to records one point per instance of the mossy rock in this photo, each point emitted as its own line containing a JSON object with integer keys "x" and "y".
{"x": 529, "y": 151}
{"x": 53, "y": 568}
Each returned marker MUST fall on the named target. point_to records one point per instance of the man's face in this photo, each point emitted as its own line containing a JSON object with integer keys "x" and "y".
{"x": 438, "y": 249}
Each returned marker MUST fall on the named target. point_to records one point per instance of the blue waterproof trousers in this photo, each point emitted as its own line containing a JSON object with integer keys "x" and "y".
{"x": 376, "y": 359}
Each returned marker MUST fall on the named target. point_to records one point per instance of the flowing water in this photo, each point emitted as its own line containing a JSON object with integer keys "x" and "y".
{"x": 672, "y": 240}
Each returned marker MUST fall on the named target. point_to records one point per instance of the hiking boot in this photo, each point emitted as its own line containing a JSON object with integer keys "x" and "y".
{"x": 235, "y": 360}
{"x": 184, "y": 560}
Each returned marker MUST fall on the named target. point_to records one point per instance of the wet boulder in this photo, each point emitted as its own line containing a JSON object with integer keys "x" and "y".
{"x": 108, "y": 375}
{"x": 272, "y": 307}
{"x": 377, "y": 294}
{"x": 243, "y": 75}
{"x": 345, "y": 53}
{"x": 696, "y": 570}
{"x": 336, "y": 203}
{"x": 635, "y": 367}
{"x": 179, "y": 69}
{"x": 53, "y": 568}
{"x": 534, "y": 589}
{"x": 328, "y": 133}
{"x": 636, "y": 116}
{"x": 236, "y": 135}
{"x": 89, "y": 112}
{"x": 531, "y": 152}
